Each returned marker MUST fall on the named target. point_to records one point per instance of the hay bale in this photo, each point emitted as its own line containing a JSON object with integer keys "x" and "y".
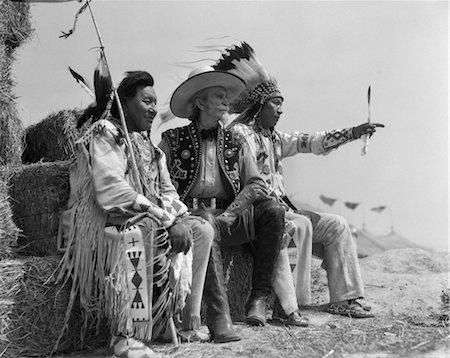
{"x": 53, "y": 138}
{"x": 15, "y": 28}
{"x": 238, "y": 268}
{"x": 8, "y": 230}
{"x": 11, "y": 131}
{"x": 32, "y": 311}
{"x": 39, "y": 192}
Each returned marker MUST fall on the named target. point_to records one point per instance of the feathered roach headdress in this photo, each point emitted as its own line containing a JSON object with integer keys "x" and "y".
{"x": 260, "y": 86}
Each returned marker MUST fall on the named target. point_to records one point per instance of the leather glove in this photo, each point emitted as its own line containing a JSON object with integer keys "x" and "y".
{"x": 365, "y": 128}
{"x": 180, "y": 236}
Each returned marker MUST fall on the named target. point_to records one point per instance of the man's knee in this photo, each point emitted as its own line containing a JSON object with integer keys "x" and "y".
{"x": 338, "y": 222}
{"x": 202, "y": 230}
{"x": 302, "y": 223}
{"x": 268, "y": 210}
{"x": 333, "y": 228}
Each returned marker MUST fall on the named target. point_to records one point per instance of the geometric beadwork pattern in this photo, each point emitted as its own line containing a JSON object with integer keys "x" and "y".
{"x": 289, "y": 234}
{"x": 136, "y": 273}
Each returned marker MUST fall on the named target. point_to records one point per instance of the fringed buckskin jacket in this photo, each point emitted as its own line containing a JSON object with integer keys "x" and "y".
{"x": 103, "y": 196}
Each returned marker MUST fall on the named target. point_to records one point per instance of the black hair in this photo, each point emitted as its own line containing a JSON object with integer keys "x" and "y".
{"x": 128, "y": 87}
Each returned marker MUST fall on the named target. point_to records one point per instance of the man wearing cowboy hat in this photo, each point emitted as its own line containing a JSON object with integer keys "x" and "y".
{"x": 210, "y": 168}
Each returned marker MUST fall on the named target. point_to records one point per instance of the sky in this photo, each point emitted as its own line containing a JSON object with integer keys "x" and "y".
{"x": 324, "y": 56}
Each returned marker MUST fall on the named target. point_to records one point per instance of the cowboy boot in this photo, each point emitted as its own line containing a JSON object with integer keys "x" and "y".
{"x": 218, "y": 317}
{"x": 269, "y": 229}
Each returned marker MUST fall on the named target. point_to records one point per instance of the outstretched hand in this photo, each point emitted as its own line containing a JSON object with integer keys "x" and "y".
{"x": 366, "y": 128}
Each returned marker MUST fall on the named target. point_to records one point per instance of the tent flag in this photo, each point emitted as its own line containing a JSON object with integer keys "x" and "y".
{"x": 378, "y": 209}
{"x": 350, "y": 205}
{"x": 328, "y": 201}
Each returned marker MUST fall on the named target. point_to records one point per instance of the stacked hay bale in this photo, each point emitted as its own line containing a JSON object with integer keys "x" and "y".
{"x": 52, "y": 139}
{"x": 39, "y": 192}
{"x": 32, "y": 306}
{"x": 15, "y": 28}
{"x": 32, "y": 310}
{"x": 8, "y": 230}
{"x": 237, "y": 267}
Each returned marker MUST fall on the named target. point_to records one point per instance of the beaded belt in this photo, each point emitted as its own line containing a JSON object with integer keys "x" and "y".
{"x": 212, "y": 203}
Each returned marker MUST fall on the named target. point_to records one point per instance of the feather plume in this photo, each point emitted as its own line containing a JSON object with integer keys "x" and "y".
{"x": 83, "y": 83}
{"x": 102, "y": 83}
{"x": 241, "y": 61}
{"x": 103, "y": 93}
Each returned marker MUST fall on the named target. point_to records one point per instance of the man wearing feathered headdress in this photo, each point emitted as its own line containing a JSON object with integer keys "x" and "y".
{"x": 210, "y": 168}
{"x": 259, "y": 108}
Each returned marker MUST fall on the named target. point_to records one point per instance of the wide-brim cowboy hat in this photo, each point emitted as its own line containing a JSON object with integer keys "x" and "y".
{"x": 201, "y": 78}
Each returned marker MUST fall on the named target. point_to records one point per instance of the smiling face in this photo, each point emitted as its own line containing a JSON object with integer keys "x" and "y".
{"x": 271, "y": 112}
{"x": 213, "y": 103}
{"x": 141, "y": 109}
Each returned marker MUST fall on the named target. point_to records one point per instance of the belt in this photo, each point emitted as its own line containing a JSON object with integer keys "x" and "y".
{"x": 212, "y": 203}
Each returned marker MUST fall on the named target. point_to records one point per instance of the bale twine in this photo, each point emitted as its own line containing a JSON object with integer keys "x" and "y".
{"x": 32, "y": 310}
{"x": 53, "y": 138}
{"x": 39, "y": 192}
{"x": 8, "y": 230}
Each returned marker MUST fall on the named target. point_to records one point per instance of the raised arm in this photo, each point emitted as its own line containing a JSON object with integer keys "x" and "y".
{"x": 321, "y": 142}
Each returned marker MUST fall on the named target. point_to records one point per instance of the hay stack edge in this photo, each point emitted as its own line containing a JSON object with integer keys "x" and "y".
{"x": 15, "y": 29}
{"x": 32, "y": 306}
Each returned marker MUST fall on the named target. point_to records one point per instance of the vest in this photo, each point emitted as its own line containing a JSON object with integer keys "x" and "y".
{"x": 185, "y": 146}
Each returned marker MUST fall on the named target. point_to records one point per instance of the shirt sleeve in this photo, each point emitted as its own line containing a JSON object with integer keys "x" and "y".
{"x": 112, "y": 190}
{"x": 249, "y": 170}
{"x": 321, "y": 143}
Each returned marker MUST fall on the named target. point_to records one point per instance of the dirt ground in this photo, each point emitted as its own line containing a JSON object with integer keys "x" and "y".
{"x": 404, "y": 289}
